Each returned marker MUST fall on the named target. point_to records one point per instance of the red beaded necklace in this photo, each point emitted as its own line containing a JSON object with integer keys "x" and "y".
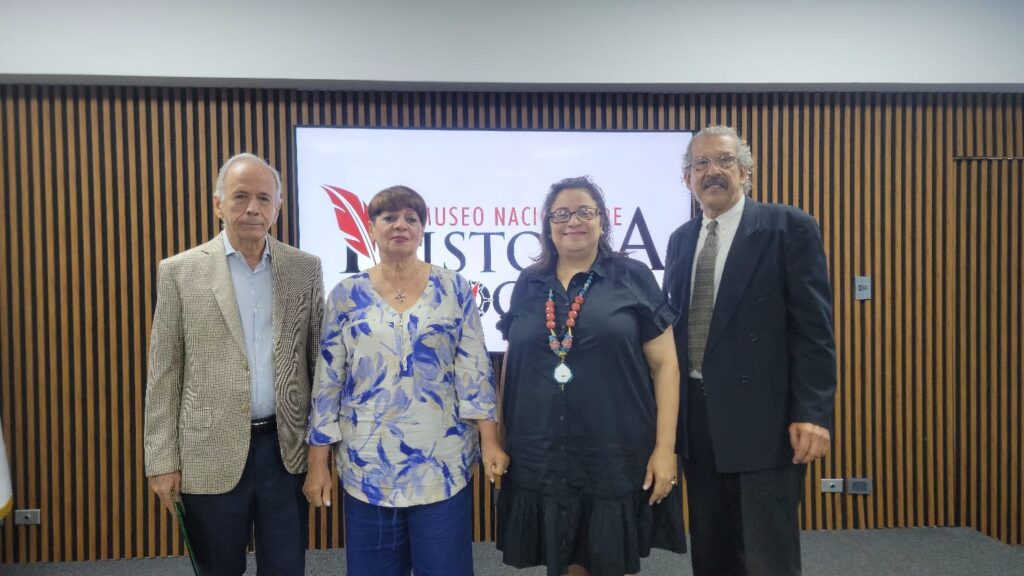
{"x": 561, "y": 346}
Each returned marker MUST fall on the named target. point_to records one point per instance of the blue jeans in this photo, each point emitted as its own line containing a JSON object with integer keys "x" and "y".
{"x": 432, "y": 539}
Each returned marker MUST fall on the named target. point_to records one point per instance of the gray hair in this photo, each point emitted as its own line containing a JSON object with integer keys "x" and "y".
{"x": 246, "y": 156}
{"x": 743, "y": 153}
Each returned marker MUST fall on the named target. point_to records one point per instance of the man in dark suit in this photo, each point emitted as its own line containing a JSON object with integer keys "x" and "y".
{"x": 755, "y": 336}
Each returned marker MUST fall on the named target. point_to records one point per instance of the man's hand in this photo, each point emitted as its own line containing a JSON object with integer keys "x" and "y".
{"x": 168, "y": 488}
{"x": 809, "y": 442}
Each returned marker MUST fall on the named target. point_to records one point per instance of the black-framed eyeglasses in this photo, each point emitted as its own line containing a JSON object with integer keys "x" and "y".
{"x": 562, "y": 215}
{"x": 723, "y": 162}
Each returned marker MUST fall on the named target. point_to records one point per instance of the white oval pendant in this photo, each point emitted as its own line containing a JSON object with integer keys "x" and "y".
{"x": 563, "y": 374}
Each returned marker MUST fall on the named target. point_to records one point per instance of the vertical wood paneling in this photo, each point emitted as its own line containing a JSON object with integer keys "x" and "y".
{"x": 920, "y": 191}
{"x": 988, "y": 175}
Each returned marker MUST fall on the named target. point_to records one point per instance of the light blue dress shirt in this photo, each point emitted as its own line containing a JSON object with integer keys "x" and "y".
{"x": 254, "y": 290}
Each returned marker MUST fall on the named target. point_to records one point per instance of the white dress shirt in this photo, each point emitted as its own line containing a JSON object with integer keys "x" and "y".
{"x": 728, "y": 224}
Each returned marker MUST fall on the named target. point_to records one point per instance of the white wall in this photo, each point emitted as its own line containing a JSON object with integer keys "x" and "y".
{"x": 645, "y": 43}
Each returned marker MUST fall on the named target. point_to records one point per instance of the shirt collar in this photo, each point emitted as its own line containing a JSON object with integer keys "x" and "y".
{"x": 729, "y": 217}
{"x": 229, "y": 249}
{"x": 599, "y": 268}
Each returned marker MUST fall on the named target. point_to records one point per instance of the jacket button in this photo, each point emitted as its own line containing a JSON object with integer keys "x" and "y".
{"x": 753, "y": 336}
{"x": 745, "y": 379}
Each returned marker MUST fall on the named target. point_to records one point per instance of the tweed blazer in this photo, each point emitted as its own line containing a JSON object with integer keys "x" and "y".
{"x": 198, "y": 389}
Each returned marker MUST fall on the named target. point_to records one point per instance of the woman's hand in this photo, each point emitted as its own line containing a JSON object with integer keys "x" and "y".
{"x": 317, "y": 486}
{"x": 661, "y": 472}
{"x": 660, "y": 353}
{"x": 494, "y": 460}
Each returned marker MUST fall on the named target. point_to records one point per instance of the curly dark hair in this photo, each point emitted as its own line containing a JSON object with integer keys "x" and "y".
{"x": 548, "y": 257}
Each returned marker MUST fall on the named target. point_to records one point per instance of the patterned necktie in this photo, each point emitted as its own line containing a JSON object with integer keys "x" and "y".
{"x": 702, "y": 303}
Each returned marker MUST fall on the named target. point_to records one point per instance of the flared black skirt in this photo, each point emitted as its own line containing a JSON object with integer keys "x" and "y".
{"x": 606, "y": 536}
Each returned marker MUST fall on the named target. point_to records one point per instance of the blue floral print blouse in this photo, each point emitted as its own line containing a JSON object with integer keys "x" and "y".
{"x": 395, "y": 391}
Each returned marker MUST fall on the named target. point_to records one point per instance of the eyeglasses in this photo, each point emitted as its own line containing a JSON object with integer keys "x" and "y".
{"x": 562, "y": 215}
{"x": 723, "y": 162}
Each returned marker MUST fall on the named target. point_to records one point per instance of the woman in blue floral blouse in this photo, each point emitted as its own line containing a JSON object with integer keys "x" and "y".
{"x": 403, "y": 384}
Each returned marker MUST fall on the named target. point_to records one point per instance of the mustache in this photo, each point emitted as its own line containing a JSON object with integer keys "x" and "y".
{"x": 716, "y": 180}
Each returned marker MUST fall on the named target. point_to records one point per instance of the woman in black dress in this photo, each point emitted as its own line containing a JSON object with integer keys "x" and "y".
{"x": 590, "y": 400}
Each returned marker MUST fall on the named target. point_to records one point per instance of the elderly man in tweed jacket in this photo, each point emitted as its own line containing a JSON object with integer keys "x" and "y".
{"x": 234, "y": 341}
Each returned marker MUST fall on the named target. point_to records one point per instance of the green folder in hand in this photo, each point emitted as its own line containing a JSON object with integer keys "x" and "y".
{"x": 180, "y": 509}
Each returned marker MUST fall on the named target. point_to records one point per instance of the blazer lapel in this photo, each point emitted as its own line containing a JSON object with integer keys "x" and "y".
{"x": 224, "y": 289}
{"x": 278, "y": 266}
{"x": 688, "y": 245}
{"x": 739, "y": 267}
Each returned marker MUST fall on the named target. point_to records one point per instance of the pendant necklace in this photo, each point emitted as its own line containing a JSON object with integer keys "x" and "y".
{"x": 399, "y": 295}
{"x": 562, "y": 373}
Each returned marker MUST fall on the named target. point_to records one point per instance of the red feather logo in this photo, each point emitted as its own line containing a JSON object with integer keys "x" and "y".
{"x": 353, "y": 216}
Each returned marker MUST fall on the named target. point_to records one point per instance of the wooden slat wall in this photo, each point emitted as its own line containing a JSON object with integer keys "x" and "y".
{"x": 920, "y": 191}
{"x": 986, "y": 296}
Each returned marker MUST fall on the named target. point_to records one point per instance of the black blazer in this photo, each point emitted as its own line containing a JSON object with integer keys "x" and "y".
{"x": 770, "y": 357}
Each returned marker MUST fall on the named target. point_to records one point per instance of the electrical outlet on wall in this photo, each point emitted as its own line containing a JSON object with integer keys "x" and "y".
{"x": 859, "y": 486}
{"x": 26, "y": 517}
{"x": 833, "y": 485}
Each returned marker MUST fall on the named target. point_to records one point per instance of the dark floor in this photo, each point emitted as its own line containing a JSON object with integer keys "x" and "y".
{"x": 906, "y": 552}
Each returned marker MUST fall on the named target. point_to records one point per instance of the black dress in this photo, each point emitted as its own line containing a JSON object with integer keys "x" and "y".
{"x": 573, "y": 492}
